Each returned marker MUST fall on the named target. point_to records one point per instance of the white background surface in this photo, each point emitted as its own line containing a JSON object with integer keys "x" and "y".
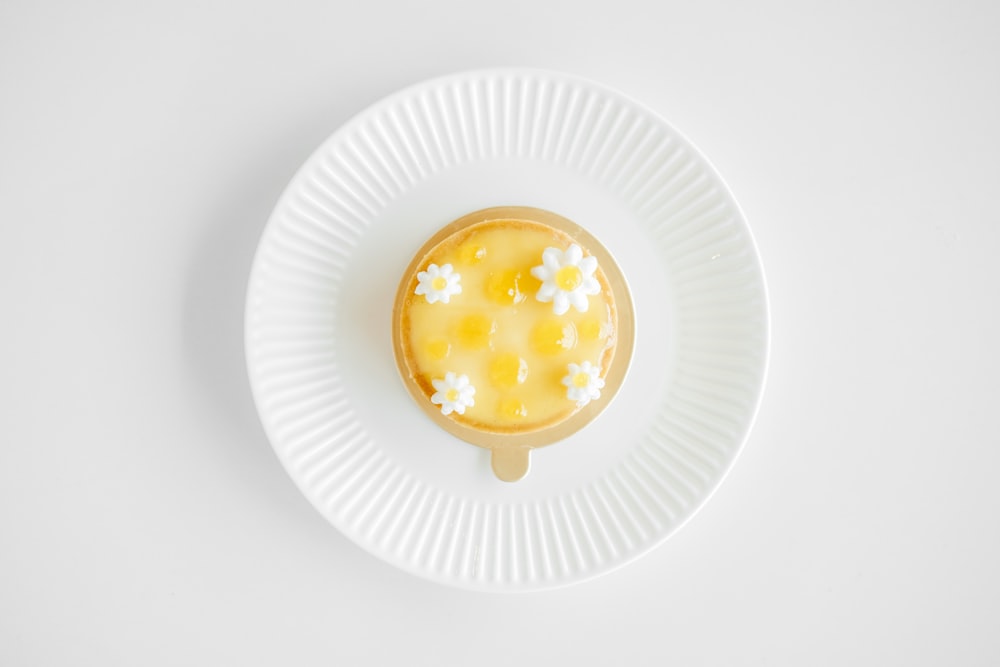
{"x": 143, "y": 516}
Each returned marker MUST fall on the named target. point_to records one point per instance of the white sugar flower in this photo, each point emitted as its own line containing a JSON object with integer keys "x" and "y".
{"x": 454, "y": 393}
{"x": 583, "y": 383}
{"x": 438, "y": 283}
{"x": 567, "y": 279}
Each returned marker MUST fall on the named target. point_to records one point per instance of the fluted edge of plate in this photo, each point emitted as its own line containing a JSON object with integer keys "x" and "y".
{"x": 721, "y": 329}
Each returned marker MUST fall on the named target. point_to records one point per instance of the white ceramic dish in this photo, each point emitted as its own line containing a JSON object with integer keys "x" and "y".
{"x": 319, "y": 351}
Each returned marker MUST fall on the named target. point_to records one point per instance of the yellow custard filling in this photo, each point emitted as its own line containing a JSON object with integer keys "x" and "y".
{"x": 508, "y": 326}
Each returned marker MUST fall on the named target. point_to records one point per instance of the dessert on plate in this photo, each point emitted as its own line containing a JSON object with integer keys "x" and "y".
{"x": 512, "y": 328}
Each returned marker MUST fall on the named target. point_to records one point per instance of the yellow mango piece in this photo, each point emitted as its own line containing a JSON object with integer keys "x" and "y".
{"x": 553, "y": 336}
{"x": 510, "y": 286}
{"x": 438, "y": 349}
{"x": 473, "y": 332}
{"x": 591, "y": 329}
{"x": 507, "y": 370}
{"x": 471, "y": 252}
{"x": 512, "y": 408}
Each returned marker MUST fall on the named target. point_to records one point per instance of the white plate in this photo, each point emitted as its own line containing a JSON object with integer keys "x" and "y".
{"x": 319, "y": 349}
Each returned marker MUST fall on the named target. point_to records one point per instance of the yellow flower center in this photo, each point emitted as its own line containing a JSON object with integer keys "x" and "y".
{"x": 451, "y": 395}
{"x": 568, "y": 278}
{"x": 439, "y": 283}
{"x": 581, "y": 380}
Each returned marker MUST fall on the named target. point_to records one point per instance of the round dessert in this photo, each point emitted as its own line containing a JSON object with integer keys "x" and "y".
{"x": 508, "y": 324}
